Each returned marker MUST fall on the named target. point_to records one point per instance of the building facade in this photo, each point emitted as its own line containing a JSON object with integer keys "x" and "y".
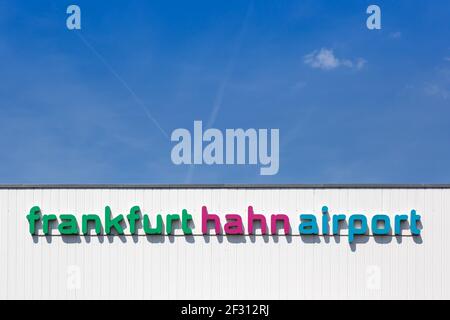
{"x": 191, "y": 261}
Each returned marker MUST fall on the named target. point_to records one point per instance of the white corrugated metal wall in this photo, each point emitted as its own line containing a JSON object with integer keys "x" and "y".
{"x": 223, "y": 268}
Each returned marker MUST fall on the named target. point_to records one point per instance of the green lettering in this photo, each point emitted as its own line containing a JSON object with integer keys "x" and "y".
{"x": 33, "y": 217}
{"x": 133, "y": 217}
{"x": 46, "y": 222}
{"x": 169, "y": 220}
{"x": 186, "y": 217}
{"x": 152, "y": 231}
{"x": 91, "y": 217}
{"x": 112, "y": 223}
{"x": 68, "y": 224}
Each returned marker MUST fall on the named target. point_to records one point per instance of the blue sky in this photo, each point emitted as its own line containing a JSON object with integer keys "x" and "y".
{"x": 352, "y": 105}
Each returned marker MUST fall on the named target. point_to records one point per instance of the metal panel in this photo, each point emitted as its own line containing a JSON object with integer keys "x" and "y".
{"x": 224, "y": 267}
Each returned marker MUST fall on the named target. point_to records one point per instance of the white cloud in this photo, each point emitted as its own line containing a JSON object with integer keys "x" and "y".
{"x": 326, "y": 60}
{"x": 360, "y": 62}
{"x": 447, "y": 58}
{"x": 299, "y": 85}
{"x": 437, "y": 91}
{"x": 357, "y": 64}
{"x": 395, "y": 35}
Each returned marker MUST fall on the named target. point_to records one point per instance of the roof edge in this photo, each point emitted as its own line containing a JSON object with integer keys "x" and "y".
{"x": 224, "y": 186}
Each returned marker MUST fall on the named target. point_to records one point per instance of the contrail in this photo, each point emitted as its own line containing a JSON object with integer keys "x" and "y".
{"x": 228, "y": 72}
{"x": 138, "y": 101}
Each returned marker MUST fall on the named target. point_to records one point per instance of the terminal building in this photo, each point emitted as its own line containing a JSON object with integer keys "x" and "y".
{"x": 224, "y": 241}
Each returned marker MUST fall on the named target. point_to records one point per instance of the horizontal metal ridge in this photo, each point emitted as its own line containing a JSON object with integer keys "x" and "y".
{"x": 224, "y": 186}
